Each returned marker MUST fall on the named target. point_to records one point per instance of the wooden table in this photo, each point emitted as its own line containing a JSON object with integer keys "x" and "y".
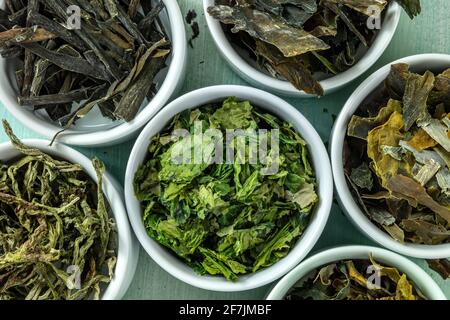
{"x": 429, "y": 33}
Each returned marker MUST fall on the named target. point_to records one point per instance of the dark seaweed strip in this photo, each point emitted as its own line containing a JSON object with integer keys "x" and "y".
{"x": 116, "y": 11}
{"x": 58, "y": 29}
{"x": 151, "y": 16}
{"x": 33, "y": 6}
{"x": 133, "y": 8}
{"x": 59, "y": 98}
{"x": 136, "y": 93}
{"x": 110, "y": 65}
{"x": 64, "y": 61}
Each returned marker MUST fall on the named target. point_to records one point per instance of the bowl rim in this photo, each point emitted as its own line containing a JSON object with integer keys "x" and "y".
{"x": 329, "y": 85}
{"x": 121, "y": 132}
{"x": 127, "y": 254}
{"x": 319, "y": 156}
{"x": 344, "y": 196}
{"x": 421, "y": 279}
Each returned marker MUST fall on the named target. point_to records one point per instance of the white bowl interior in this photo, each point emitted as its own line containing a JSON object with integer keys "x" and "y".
{"x": 259, "y": 78}
{"x": 320, "y": 162}
{"x": 420, "y": 278}
{"x": 127, "y": 254}
{"x": 94, "y": 129}
{"x": 419, "y": 63}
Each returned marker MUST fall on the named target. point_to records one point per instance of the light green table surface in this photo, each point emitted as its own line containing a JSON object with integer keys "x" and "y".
{"x": 429, "y": 33}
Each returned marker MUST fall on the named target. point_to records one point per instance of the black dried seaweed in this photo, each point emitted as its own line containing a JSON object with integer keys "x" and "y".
{"x": 101, "y": 52}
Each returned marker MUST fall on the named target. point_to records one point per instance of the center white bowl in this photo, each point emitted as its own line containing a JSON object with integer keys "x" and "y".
{"x": 94, "y": 134}
{"x": 128, "y": 249}
{"x": 334, "y": 83}
{"x": 320, "y": 162}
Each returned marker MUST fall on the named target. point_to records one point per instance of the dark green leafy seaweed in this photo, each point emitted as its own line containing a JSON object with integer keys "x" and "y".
{"x": 401, "y": 137}
{"x": 56, "y": 236}
{"x": 304, "y": 41}
{"x": 355, "y": 280}
{"x": 227, "y": 217}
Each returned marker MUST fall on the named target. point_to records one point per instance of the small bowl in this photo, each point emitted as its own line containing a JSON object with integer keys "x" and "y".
{"x": 94, "y": 130}
{"x": 418, "y": 63}
{"x": 264, "y": 81}
{"x": 128, "y": 248}
{"x": 320, "y": 161}
{"x": 420, "y": 278}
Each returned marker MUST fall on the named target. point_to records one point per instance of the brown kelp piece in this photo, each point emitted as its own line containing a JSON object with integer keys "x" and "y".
{"x": 69, "y": 63}
{"x": 409, "y": 189}
{"x": 441, "y": 266}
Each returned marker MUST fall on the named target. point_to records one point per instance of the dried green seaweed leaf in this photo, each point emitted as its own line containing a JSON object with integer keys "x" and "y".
{"x": 417, "y": 90}
{"x": 359, "y": 127}
{"x": 362, "y": 177}
{"x": 226, "y": 217}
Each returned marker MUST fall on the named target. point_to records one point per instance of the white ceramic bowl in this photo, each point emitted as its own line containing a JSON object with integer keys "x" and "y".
{"x": 421, "y": 279}
{"x": 264, "y": 81}
{"x": 419, "y": 63}
{"x": 320, "y": 161}
{"x": 94, "y": 130}
{"x": 128, "y": 248}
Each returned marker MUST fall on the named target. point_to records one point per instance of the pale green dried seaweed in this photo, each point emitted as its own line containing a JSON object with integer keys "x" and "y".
{"x": 56, "y": 235}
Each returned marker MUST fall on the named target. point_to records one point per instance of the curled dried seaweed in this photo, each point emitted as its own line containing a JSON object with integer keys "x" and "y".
{"x": 355, "y": 280}
{"x": 308, "y": 40}
{"x": 56, "y": 235}
{"x": 406, "y": 147}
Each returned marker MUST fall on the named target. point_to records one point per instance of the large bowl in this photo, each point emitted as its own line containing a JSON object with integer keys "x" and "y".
{"x": 320, "y": 161}
{"x": 264, "y": 81}
{"x": 419, "y": 63}
{"x": 94, "y": 130}
{"x": 420, "y": 278}
{"x": 128, "y": 248}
